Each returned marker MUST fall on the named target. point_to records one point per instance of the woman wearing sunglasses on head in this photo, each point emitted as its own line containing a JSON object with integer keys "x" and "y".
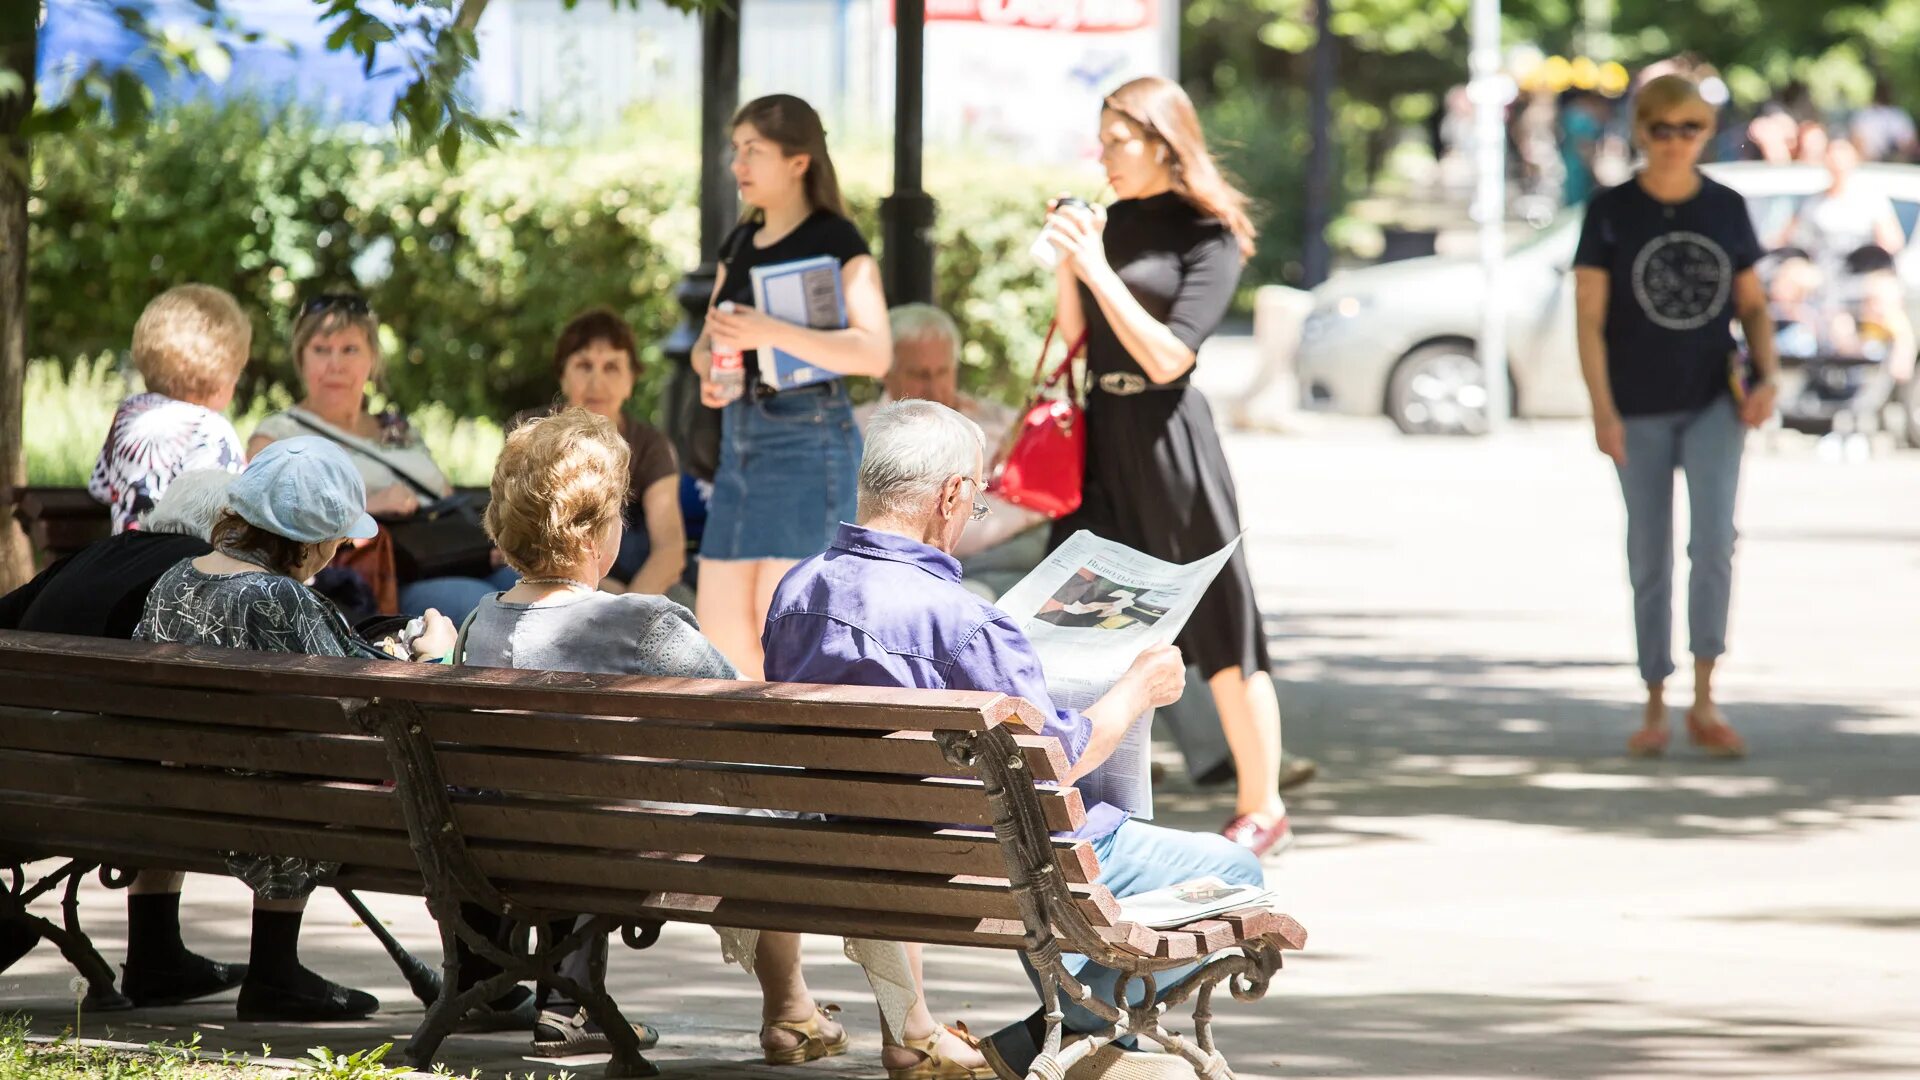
{"x": 1665, "y": 264}
{"x": 336, "y": 352}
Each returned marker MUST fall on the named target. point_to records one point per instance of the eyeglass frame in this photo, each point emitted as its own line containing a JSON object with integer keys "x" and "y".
{"x": 1664, "y": 130}
{"x": 980, "y": 507}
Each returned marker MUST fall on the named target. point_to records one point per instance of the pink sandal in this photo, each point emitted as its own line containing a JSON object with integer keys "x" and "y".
{"x": 1716, "y": 737}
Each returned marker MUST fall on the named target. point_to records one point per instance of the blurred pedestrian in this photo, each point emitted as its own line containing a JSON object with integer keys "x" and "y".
{"x": 1884, "y": 131}
{"x": 1147, "y": 282}
{"x": 1843, "y": 218}
{"x": 1665, "y": 262}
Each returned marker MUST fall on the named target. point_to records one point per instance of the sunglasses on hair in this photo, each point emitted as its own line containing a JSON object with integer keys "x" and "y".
{"x": 351, "y": 303}
{"x": 1663, "y": 131}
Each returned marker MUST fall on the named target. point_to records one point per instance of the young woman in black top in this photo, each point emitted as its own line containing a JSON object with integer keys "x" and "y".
{"x": 1665, "y": 264}
{"x": 1147, "y": 280}
{"x": 787, "y": 459}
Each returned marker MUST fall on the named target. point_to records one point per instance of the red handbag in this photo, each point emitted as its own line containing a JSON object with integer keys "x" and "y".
{"x": 1045, "y": 460}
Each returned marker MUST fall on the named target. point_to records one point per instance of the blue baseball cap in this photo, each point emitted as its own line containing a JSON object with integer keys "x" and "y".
{"x": 306, "y": 489}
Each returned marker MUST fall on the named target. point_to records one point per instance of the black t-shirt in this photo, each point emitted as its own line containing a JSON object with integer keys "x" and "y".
{"x": 1180, "y": 264}
{"x": 100, "y": 590}
{"x": 1670, "y": 269}
{"x": 822, "y": 233}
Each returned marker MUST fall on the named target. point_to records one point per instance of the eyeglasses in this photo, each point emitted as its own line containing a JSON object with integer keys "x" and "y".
{"x": 980, "y": 507}
{"x": 351, "y": 303}
{"x": 1663, "y": 131}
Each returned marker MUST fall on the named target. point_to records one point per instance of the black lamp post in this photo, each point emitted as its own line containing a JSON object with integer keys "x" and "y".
{"x": 906, "y": 216}
{"x": 719, "y": 208}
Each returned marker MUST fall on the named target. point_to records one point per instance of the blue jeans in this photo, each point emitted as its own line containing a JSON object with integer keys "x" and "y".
{"x": 454, "y": 597}
{"x": 1706, "y": 445}
{"x": 1135, "y": 858}
{"x": 786, "y": 476}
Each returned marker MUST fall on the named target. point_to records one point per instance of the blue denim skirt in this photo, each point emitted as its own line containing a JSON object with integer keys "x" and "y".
{"x": 786, "y": 475}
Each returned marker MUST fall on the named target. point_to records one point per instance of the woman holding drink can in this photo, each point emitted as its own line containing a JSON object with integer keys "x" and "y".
{"x": 787, "y": 458}
{"x": 1147, "y": 280}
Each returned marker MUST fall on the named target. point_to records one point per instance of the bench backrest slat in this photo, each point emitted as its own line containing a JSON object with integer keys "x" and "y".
{"x": 606, "y": 825}
{"x": 698, "y": 700}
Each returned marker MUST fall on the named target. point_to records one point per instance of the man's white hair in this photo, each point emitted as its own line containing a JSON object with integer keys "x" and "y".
{"x": 913, "y": 448}
{"x": 191, "y": 505}
{"x": 922, "y": 322}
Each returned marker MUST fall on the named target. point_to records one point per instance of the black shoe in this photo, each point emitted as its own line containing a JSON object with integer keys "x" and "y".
{"x": 191, "y": 976}
{"x": 1295, "y": 771}
{"x": 17, "y": 939}
{"x": 511, "y": 1011}
{"x": 320, "y": 1001}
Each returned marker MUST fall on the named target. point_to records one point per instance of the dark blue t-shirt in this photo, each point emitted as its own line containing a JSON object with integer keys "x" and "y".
{"x": 1670, "y": 268}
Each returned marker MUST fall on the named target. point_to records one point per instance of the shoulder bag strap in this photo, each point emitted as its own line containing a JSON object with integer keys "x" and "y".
{"x": 372, "y": 451}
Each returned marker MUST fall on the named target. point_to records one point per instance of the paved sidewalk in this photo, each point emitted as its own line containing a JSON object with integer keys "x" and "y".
{"x": 1492, "y": 888}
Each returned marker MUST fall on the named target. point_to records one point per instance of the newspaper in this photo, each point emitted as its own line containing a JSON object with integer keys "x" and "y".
{"x": 1089, "y": 609}
{"x": 806, "y": 292}
{"x": 1191, "y": 901}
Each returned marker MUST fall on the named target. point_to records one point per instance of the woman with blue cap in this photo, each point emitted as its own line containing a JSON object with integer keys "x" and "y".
{"x": 295, "y": 504}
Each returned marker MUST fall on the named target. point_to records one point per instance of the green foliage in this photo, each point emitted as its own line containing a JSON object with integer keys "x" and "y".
{"x": 360, "y": 1065}
{"x": 473, "y": 272}
{"x": 70, "y": 408}
{"x": 21, "y": 1059}
{"x": 1261, "y": 139}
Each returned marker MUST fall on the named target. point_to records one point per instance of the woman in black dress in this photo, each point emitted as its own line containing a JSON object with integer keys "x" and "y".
{"x": 1148, "y": 280}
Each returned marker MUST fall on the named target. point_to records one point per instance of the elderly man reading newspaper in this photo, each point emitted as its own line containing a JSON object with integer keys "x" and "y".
{"x": 883, "y": 606}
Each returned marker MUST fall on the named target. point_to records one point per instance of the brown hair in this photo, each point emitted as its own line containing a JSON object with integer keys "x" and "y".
{"x": 560, "y": 481}
{"x": 191, "y": 342}
{"x": 591, "y": 325}
{"x": 282, "y": 555}
{"x": 329, "y": 320}
{"x": 795, "y": 127}
{"x": 1166, "y": 114}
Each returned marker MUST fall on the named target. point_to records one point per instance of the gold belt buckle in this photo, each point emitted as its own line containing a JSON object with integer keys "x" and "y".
{"x": 1123, "y": 383}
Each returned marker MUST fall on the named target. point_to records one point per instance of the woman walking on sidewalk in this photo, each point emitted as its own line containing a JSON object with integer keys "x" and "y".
{"x": 1665, "y": 263}
{"x": 1147, "y": 281}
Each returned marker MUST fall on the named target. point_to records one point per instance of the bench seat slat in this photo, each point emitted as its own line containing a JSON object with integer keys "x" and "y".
{"x": 360, "y": 757}
{"x": 619, "y": 826}
{"x": 699, "y": 700}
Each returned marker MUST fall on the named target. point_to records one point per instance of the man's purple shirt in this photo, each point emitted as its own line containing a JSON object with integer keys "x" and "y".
{"x": 878, "y": 609}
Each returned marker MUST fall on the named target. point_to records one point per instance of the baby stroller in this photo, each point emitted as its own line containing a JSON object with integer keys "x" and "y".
{"x": 1842, "y": 332}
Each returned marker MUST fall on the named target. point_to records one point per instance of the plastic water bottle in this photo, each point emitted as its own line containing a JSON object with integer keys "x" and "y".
{"x": 728, "y": 371}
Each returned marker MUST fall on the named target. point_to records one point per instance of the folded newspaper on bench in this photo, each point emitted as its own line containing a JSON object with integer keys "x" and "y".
{"x": 805, "y": 292}
{"x": 1190, "y": 901}
{"x": 1089, "y": 609}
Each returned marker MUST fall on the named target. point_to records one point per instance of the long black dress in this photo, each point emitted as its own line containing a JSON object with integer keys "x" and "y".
{"x": 1157, "y": 479}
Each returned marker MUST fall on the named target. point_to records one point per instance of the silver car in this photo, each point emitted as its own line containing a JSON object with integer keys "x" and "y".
{"x": 1398, "y": 338}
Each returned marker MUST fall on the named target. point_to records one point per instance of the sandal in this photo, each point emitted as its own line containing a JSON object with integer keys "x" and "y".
{"x": 1716, "y": 737}
{"x": 936, "y": 1067}
{"x": 1648, "y": 742}
{"x": 813, "y": 1043}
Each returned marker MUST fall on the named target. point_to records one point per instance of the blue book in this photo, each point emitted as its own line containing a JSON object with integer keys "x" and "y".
{"x": 806, "y": 292}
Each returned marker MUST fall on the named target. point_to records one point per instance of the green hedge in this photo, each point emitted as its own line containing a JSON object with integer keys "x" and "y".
{"x": 481, "y": 266}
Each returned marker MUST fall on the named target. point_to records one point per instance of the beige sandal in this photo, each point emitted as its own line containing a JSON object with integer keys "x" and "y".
{"x": 936, "y": 1067}
{"x": 813, "y": 1043}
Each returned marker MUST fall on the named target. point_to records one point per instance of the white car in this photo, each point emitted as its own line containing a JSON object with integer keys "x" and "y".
{"x": 1398, "y": 338}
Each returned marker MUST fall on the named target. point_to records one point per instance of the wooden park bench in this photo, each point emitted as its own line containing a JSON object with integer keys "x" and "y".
{"x": 513, "y": 790}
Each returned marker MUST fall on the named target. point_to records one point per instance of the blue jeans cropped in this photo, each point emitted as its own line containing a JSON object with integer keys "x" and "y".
{"x": 786, "y": 476}
{"x": 1706, "y": 445}
{"x": 1135, "y": 858}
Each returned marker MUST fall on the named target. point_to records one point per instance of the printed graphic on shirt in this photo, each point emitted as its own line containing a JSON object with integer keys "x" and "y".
{"x": 1682, "y": 280}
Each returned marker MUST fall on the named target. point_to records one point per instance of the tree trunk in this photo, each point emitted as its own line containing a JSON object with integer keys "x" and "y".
{"x": 17, "y": 30}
